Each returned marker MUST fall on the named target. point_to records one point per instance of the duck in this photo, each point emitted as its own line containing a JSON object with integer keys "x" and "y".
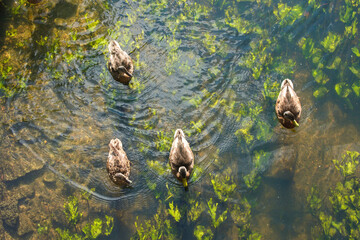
{"x": 120, "y": 63}
{"x": 118, "y": 165}
{"x": 181, "y": 158}
{"x": 288, "y": 106}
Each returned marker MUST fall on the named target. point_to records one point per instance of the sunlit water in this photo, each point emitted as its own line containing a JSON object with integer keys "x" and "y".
{"x": 193, "y": 70}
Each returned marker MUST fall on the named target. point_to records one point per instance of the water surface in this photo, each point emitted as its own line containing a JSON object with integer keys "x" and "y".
{"x": 211, "y": 68}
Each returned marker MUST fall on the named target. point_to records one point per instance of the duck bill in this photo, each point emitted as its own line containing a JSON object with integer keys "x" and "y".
{"x": 128, "y": 181}
{"x": 129, "y": 74}
{"x": 295, "y": 123}
{"x": 184, "y": 182}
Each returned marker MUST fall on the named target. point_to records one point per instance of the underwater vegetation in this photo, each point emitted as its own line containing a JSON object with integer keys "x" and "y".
{"x": 202, "y": 213}
{"x": 338, "y": 214}
{"x": 91, "y": 230}
{"x": 259, "y": 160}
{"x": 212, "y": 46}
{"x": 223, "y": 185}
{"x": 334, "y": 73}
{"x": 77, "y": 226}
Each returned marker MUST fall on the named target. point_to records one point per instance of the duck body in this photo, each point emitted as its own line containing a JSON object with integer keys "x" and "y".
{"x": 288, "y": 107}
{"x": 181, "y": 158}
{"x": 120, "y": 63}
{"x": 118, "y": 165}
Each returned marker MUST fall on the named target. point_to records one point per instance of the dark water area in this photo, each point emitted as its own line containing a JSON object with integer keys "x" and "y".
{"x": 212, "y": 68}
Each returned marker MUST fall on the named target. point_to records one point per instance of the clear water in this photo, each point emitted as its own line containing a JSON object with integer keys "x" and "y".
{"x": 212, "y": 68}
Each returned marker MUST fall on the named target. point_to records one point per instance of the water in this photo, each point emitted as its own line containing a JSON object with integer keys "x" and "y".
{"x": 212, "y": 68}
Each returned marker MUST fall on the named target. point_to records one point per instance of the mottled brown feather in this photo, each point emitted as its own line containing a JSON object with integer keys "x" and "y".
{"x": 287, "y": 101}
{"x": 119, "y": 58}
{"x": 181, "y": 155}
{"x": 117, "y": 162}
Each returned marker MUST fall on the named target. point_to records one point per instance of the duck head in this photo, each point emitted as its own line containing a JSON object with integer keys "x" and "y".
{"x": 290, "y": 117}
{"x": 183, "y": 174}
{"x": 121, "y": 177}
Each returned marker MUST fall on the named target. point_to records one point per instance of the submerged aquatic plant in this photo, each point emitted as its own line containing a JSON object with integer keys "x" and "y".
{"x": 349, "y": 163}
{"x": 216, "y": 221}
{"x": 197, "y": 207}
{"x": 209, "y": 42}
{"x": 43, "y": 229}
{"x": 260, "y": 158}
{"x": 309, "y": 51}
{"x": 197, "y": 173}
{"x": 260, "y": 58}
{"x": 342, "y": 221}
{"x": 197, "y": 126}
{"x": 223, "y": 184}
{"x": 314, "y": 201}
{"x": 252, "y": 127}
{"x": 287, "y": 15}
{"x": 157, "y": 228}
{"x": 67, "y": 235}
{"x": 243, "y": 26}
{"x": 174, "y": 211}
{"x": 137, "y": 85}
{"x": 342, "y": 89}
{"x": 331, "y": 41}
{"x": 71, "y": 210}
{"x": 16, "y": 9}
{"x": 203, "y": 233}
{"x": 157, "y": 167}
{"x": 163, "y": 142}
{"x": 320, "y": 92}
{"x": 91, "y": 230}
{"x": 284, "y": 68}
{"x": 241, "y": 215}
{"x": 196, "y": 101}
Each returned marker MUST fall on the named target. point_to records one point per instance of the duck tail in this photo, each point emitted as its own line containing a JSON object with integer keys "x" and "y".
{"x": 114, "y": 145}
{"x": 288, "y": 94}
{"x": 178, "y": 133}
{"x": 287, "y": 82}
{"x": 180, "y": 142}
